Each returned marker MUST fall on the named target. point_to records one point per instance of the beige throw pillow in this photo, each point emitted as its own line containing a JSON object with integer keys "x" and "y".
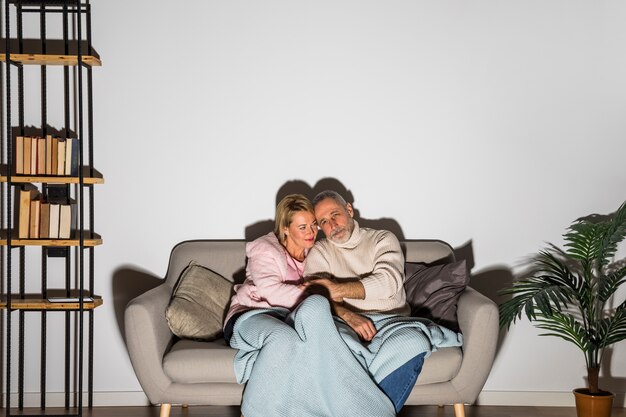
{"x": 198, "y": 305}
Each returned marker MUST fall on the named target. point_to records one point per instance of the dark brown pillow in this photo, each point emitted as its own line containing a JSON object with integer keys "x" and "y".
{"x": 433, "y": 291}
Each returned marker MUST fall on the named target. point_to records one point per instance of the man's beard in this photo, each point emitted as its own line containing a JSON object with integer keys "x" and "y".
{"x": 344, "y": 232}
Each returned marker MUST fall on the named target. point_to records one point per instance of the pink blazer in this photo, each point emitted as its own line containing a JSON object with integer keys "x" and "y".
{"x": 269, "y": 280}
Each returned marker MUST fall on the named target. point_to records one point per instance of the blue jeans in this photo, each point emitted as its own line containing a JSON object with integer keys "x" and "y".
{"x": 398, "y": 384}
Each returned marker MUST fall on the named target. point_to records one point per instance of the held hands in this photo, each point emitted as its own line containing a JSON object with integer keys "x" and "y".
{"x": 324, "y": 286}
{"x": 337, "y": 291}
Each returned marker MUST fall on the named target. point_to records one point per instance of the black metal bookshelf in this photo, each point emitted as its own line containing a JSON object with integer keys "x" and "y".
{"x": 69, "y": 51}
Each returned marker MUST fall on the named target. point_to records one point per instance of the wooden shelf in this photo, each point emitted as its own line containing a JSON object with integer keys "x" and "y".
{"x": 48, "y": 59}
{"x": 35, "y": 302}
{"x": 20, "y": 58}
{"x": 97, "y": 178}
{"x": 15, "y": 241}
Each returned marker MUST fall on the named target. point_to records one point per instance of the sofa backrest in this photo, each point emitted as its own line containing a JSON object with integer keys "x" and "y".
{"x": 228, "y": 257}
{"x": 427, "y": 251}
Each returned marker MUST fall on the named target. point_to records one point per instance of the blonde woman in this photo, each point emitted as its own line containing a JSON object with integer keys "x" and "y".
{"x": 276, "y": 262}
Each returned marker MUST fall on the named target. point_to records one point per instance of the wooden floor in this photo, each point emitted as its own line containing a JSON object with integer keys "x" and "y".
{"x": 409, "y": 411}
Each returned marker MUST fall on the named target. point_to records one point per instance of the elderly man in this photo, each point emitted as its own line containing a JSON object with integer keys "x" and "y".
{"x": 362, "y": 269}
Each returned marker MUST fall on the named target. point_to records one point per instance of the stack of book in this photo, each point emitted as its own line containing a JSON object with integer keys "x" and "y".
{"x": 44, "y": 219}
{"x": 35, "y": 155}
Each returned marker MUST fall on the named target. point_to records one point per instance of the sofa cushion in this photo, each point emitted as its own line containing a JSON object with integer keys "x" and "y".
{"x": 441, "y": 366}
{"x": 198, "y": 304}
{"x": 193, "y": 362}
{"x": 433, "y": 291}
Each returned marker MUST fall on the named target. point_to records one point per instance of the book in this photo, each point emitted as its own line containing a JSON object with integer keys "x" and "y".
{"x": 33, "y": 155}
{"x": 25, "y": 196}
{"x": 19, "y": 155}
{"x": 75, "y": 157}
{"x": 44, "y": 223}
{"x": 57, "y": 193}
{"x": 27, "y": 145}
{"x": 69, "y": 144}
{"x": 35, "y": 217}
{"x": 53, "y": 229}
{"x": 67, "y": 220}
{"x": 41, "y": 156}
{"x": 49, "y": 154}
{"x": 61, "y": 157}
{"x": 86, "y": 299}
{"x": 54, "y": 156}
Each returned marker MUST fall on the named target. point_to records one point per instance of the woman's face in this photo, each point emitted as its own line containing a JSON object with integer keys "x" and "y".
{"x": 303, "y": 229}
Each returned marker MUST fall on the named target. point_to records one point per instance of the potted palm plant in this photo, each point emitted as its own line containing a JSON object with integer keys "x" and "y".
{"x": 570, "y": 293}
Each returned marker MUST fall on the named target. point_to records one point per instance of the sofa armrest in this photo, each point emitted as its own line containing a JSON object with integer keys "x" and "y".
{"x": 148, "y": 337}
{"x": 478, "y": 321}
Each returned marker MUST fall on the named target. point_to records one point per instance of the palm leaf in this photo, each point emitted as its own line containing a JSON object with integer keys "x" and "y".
{"x": 613, "y": 329}
{"x": 615, "y": 233}
{"x": 543, "y": 293}
{"x": 566, "y": 327}
{"x": 558, "y": 271}
{"x": 583, "y": 240}
{"x": 608, "y": 284}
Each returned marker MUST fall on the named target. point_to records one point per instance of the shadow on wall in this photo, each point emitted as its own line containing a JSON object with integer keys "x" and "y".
{"x": 301, "y": 187}
{"x": 611, "y": 383}
{"x": 488, "y": 281}
{"x": 129, "y": 282}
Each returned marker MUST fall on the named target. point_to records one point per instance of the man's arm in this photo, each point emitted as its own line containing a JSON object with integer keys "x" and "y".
{"x": 385, "y": 280}
{"x": 362, "y": 325}
{"x": 339, "y": 290}
{"x": 387, "y": 277}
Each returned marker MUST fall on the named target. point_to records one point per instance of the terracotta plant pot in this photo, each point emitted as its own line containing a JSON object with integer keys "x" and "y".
{"x": 593, "y": 405}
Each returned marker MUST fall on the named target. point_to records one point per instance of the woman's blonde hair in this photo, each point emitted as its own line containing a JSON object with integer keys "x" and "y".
{"x": 286, "y": 208}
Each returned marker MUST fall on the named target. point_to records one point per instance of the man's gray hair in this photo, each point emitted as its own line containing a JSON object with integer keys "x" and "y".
{"x": 329, "y": 194}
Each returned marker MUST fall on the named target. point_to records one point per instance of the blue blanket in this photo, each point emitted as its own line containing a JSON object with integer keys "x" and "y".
{"x": 307, "y": 364}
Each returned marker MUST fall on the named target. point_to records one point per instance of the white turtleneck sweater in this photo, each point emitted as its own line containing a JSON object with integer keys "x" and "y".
{"x": 372, "y": 256}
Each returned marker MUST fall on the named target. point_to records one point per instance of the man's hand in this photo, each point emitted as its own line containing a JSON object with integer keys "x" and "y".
{"x": 332, "y": 289}
{"x": 339, "y": 290}
{"x": 362, "y": 325}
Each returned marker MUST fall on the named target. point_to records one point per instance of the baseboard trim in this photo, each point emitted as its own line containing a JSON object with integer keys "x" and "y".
{"x": 138, "y": 398}
{"x": 100, "y": 399}
{"x": 537, "y": 398}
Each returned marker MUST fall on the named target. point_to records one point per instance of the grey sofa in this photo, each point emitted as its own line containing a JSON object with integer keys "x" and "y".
{"x": 173, "y": 371}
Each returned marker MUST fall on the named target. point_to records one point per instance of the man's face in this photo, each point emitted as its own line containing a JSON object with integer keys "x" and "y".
{"x": 335, "y": 220}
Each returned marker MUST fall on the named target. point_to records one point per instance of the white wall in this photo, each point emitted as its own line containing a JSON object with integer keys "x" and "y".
{"x": 490, "y": 123}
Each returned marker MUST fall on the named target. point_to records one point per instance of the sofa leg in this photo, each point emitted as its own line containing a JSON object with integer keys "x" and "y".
{"x": 459, "y": 410}
{"x": 165, "y": 410}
